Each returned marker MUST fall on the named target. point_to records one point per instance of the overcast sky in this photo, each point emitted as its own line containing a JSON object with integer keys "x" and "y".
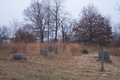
{"x": 13, "y": 9}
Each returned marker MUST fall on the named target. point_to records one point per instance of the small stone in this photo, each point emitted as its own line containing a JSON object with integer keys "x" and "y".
{"x": 104, "y": 74}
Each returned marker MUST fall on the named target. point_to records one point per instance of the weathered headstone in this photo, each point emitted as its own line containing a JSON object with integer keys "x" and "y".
{"x": 44, "y": 52}
{"x": 19, "y": 56}
{"x": 106, "y": 55}
{"x": 51, "y": 48}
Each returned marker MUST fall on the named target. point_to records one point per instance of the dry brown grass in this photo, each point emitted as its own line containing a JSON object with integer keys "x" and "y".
{"x": 60, "y": 49}
{"x": 66, "y": 63}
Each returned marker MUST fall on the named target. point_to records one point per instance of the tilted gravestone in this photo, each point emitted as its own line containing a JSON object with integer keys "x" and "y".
{"x": 51, "y": 48}
{"x": 106, "y": 54}
{"x": 19, "y": 56}
{"x": 44, "y": 52}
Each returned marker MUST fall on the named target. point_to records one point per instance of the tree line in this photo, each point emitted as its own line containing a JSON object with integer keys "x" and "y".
{"x": 47, "y": 20}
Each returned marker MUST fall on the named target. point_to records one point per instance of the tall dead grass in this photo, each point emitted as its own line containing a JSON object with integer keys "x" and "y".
{"x": 63, "y": 50}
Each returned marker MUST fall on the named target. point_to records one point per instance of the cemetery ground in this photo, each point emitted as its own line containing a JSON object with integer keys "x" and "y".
{"x": 67, "y": 62}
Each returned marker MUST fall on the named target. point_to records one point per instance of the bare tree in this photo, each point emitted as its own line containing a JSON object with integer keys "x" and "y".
{"x": 15, "y": 25}
{"x": 66, "y": 29}
{"x": 116, "y": 34}
{"x": 117, "y": 7}
{"x": 57, "y": 12}
{"x": 35, "y": 13}
{"x": 70, "y": 33}
{"x": 4, "y": 33}
{"x": 49, "y": 20}
{"x": 84, "y": 28}
{"x": 93, "y": 28}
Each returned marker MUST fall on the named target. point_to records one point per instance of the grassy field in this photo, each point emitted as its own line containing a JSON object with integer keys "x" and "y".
{"x": 66, "y": 63}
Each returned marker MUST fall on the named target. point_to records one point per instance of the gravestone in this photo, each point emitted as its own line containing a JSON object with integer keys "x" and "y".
{"x": 19, "y": 56}
{"x": 44, "y": 52}
{"x": 106, "y": 55}
{"x": 51, "y": 48}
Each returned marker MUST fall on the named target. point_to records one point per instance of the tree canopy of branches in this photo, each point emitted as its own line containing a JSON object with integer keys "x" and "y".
{"x": 46, "y": 19}
{"x": 15, "y": 25}
{"x": 57, "y": 12}
{"x": 23, "y": 36}
{"x": 116, "y": 33}
{"x": 93, "y": 28}
{"x": 49, "y": 20}
{"x": 36, "y": 14}
{"x": 66, "y": 30}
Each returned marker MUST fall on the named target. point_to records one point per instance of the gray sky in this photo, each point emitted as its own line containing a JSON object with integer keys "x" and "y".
{"x": 13, "y": 9}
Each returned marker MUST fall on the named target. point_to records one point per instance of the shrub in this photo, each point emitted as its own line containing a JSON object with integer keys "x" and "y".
{"x": 85, "y": 51}
{"x": 24, "y": 36}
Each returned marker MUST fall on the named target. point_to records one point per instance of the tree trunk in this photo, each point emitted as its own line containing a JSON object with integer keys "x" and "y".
{"x": 42, "y": 37}
{"x": 56, "y": 29}
{"x": 62, "y": 35}
{"x": 56, "y": 35}
{"x": 48, "y": 31}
